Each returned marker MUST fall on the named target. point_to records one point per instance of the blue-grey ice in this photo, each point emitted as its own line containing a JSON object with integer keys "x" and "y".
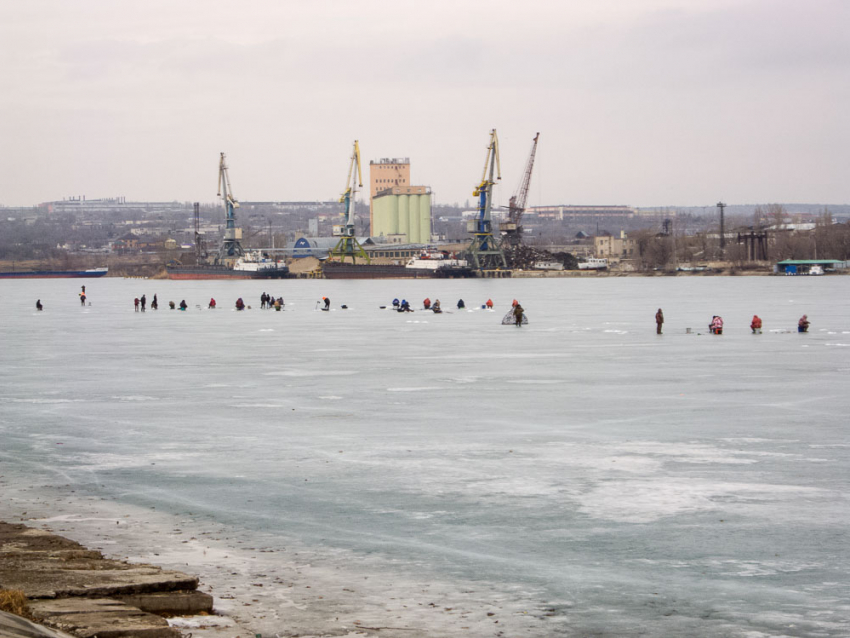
{"x": 445, "y": 475}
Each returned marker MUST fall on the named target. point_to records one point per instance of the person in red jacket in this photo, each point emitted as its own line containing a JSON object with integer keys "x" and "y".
{"x": 489, "y": 304}
{"x": 755, "y": 325}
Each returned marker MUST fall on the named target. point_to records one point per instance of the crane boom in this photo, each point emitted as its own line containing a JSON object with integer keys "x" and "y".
{"x": 512, "y": 228}
{"x": 516, "y": 204}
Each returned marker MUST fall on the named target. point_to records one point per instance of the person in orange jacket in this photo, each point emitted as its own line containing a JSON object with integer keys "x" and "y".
{"x": 489, "y": 304}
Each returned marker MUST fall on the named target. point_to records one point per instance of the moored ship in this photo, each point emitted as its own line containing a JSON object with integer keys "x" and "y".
{"x": 252, "y": 265}
{"x": 232, "y": 261}
{"x": 54, "y": 274}
{"x": 429, "y": 265}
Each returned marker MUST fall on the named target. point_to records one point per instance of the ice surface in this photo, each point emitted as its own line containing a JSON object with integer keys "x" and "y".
{"x": 364, "y": 468}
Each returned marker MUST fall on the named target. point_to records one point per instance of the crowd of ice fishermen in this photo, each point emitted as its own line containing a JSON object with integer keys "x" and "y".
{"x": 516, "y": 315}
{"x": 715, "y": 326}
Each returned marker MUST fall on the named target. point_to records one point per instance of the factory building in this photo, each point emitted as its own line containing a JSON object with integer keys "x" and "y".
{"x": 398, "y": 211}
{"x": 402, "y": 214}
{"x": 388, "y": 172}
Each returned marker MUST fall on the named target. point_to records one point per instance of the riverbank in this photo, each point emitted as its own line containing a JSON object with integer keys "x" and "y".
{"x": 71, "y": 588}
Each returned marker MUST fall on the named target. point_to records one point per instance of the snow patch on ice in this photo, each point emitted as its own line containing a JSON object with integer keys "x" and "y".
{"x": 310, "y": 373}
{"x": 39, "y": 401}
{"x": 256, "y": 405}
{"x": 645, "y": 501}
{"x": 200, "y": 622}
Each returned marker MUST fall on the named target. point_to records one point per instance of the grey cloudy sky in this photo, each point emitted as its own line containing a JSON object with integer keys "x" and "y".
{"x": 641, "y": 102}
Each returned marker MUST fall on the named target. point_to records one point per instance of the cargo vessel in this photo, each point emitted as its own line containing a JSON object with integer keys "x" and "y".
{"x": 429, "y": 265}
{"x": 252, "y": 265}
{"x": 54, "y": 274}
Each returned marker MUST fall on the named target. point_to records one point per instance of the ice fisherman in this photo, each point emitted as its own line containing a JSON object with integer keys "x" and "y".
{"x": 460, "y": 304}
{"x": 518, "y": 310}
{"x": 144, "y": 302}
{"x": 755, "y": 324}
{"x": 396, "y": 303}
{"x": 183, "y": 305}
{"x": 427, "y": 303}
{"x": 489, "y": 304}
{"x": 38, "y": 305}
{"x": 154, "y": 303}
{"x": 240, "y": 305}
{"x": 212, "y": 303}
{"x": 716, "y": 325}
{"x": 803, "y": 324}
{"x": 327, "y": 303}
{"x": 436, "y": 307}
{"x": 136, "y": 304}
{"x": 659, "y": 321}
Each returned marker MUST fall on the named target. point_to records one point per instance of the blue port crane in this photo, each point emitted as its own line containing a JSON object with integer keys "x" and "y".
{"x": 348, "y": 246}
{"x": 231, "y": 248}
{"x": 484, "y": 251}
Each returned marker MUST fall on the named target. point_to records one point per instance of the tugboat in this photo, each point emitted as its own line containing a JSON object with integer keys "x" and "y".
{"x": 232, "y": 260}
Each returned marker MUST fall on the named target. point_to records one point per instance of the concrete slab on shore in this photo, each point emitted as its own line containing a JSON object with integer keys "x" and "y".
{"x": 78, "y": 591}
{"x": 44, "y": 565}
{"x": 102, "y": 617}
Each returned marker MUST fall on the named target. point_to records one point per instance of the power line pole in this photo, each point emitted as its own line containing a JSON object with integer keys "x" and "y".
{"x": 721, "y": 206}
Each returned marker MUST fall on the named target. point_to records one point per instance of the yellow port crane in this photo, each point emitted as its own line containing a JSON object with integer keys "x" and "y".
{"x": 348, "y": 246}
{"x": 484, "y": 251}
{"x": 231, "y": 246}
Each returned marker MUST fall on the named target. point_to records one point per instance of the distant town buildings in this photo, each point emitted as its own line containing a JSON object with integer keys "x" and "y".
{"x": 615, "y": 248}
{"x": 581, "y": 213}
{"x": 114, "y": 204}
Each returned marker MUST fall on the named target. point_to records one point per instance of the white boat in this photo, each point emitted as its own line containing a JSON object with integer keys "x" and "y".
{"x": 593, "y": 263}
{"x": 253, "y": 261}
{"x": 548, "y": 265}
{"x": 434, "y": 260}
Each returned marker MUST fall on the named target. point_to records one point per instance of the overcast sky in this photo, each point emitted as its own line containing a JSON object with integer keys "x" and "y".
{"x": 639, "y": 102}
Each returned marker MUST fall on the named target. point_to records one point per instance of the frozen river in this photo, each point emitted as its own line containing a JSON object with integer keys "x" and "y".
{"x": 444, "y": 475}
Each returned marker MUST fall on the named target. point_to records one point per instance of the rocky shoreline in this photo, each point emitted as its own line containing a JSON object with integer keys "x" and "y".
{"x": 77, "y": 590}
